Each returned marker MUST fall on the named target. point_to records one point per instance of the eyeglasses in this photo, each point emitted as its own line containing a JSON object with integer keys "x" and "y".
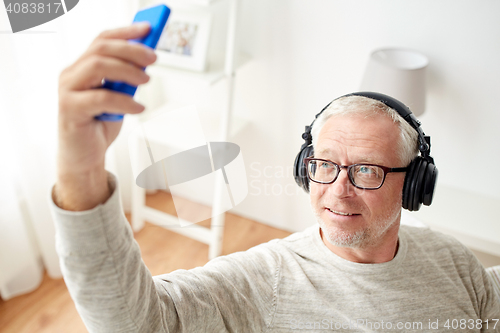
{"x": 363, "y": 176}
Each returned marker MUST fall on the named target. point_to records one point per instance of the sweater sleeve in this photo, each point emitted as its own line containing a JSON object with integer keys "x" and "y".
{"x": 114, "y": 291}
{"x": 488, "y": 304}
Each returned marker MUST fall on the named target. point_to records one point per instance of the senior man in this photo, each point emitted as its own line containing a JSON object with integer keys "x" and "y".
{"x": 356, "y": 270}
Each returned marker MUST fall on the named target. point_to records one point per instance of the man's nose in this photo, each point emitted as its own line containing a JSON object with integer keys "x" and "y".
{"x": 342, "y": 186}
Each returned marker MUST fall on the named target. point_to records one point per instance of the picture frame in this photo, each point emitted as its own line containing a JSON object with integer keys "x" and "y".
{"x": 185, "y": 39}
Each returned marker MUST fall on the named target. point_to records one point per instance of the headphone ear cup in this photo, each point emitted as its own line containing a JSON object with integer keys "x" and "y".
{"x": 300, "y": 169}
{"x": 407, "y": 184}
{"x": 430, "y": 184}
{"x": 419, "y": 184}
{"x": 412, "y": 182}
{"x": 418, "y": 195}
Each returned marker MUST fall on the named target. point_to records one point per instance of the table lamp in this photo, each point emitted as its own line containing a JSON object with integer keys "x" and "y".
{"x": 399, "y": 73}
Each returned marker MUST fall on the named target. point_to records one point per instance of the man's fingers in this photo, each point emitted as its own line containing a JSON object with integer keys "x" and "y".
{"x": 136, "y": 53}
{"x": 136, "y": 30}
{"x": 92, "y": 70}
{"x": 112, "y": 57}
{"x": 82, "y": 104}
{"x": 104, "y": 100}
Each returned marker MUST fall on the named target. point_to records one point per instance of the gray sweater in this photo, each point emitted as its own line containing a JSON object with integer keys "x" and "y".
{"x": 292, "y": 284}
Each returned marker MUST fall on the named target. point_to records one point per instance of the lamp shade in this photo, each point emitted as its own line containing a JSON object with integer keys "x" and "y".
{"x": 399, "y": 73}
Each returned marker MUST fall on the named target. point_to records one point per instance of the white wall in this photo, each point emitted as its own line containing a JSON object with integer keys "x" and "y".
{"x": 307, "y": 52}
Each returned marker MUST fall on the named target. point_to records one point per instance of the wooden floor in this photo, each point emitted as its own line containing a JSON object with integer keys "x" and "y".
{"x": 50, "y": 308}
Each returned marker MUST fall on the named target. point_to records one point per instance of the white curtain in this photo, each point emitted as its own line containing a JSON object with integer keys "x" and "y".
{"x": 30, "y": 64}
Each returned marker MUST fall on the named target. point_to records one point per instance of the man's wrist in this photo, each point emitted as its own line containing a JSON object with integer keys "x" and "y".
{"x": 81, "y": 191}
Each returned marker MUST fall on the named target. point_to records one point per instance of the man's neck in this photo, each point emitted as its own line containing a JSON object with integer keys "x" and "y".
{"x": 383, "y": 251}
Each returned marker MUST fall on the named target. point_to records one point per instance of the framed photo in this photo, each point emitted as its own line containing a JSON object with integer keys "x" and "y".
{"x": 184, "y": 41}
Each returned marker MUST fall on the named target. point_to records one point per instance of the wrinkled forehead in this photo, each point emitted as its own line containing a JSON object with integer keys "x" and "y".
{"x": 357, "y": 137}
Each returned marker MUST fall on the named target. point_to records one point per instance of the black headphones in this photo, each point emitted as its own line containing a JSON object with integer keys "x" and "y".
{"x": 420, "y": 179}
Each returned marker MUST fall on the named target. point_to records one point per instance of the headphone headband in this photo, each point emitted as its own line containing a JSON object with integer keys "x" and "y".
{"x": 424, "y": 141}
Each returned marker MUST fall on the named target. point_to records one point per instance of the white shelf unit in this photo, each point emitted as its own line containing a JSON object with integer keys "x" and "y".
{"x": 140, "y": 212}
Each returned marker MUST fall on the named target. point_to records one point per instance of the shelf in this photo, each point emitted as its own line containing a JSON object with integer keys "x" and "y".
{"x": 214, "y": 74}
{"x": 210, "y": 123}
{"x": 209, "y": 77}
{"x": 158, "y": 135}
{"x": 167, "y": 221}
{"x": 211, "y": 126}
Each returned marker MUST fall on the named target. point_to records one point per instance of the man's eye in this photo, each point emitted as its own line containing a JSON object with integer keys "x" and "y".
{"x": 325, "y": 165}
{"x": 366, "y": 170}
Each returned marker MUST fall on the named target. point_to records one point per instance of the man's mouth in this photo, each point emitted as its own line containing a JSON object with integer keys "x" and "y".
{"x": 341, "y": 213}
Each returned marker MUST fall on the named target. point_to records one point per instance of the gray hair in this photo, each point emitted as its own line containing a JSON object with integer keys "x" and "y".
{"x": 408, "y": 144}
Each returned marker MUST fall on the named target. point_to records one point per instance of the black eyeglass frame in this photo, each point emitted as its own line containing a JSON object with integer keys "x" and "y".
{"x": 349, "y": 168}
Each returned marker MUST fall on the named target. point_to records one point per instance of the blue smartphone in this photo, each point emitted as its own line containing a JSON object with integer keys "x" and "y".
{"x": 157, "y": 17}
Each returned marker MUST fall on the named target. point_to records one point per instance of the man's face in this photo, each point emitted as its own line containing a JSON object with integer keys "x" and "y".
{"x": 352, "y": 139}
